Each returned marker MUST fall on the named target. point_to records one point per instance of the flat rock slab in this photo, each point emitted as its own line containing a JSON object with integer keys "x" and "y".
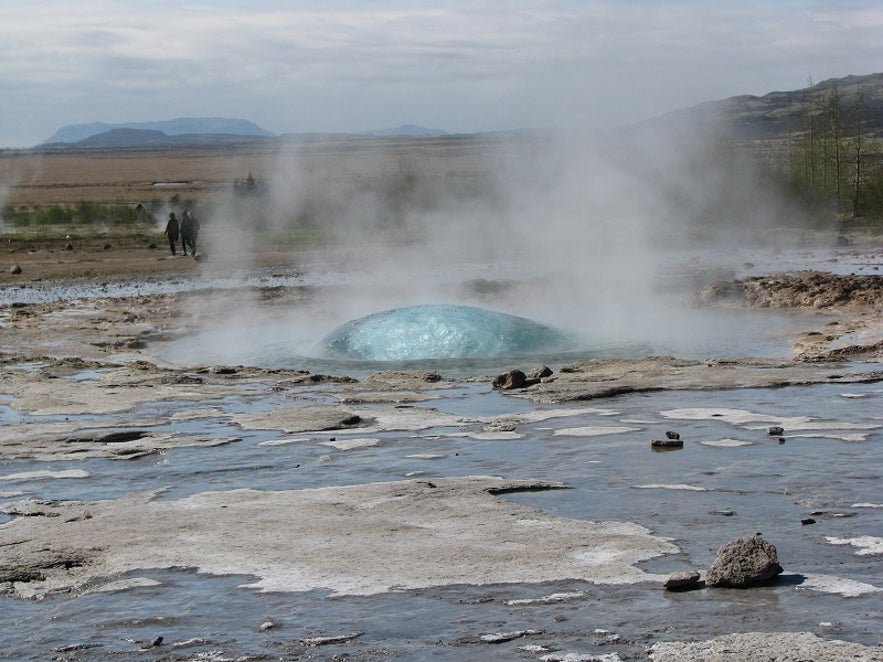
{"x": 773, "y": 646}
{"x": 611, "y": 377}
{"x": 81, "y": 439}
{"x": 359, "y": 539}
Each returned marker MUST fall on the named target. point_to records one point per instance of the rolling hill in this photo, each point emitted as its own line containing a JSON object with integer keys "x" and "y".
{"x": 780, "y": 114}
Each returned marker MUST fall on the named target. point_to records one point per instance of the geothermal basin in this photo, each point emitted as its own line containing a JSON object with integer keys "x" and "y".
{"x": 185, "y": 485}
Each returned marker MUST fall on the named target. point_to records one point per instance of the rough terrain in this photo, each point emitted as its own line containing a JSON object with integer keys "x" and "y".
{"x": 97, "y": 360}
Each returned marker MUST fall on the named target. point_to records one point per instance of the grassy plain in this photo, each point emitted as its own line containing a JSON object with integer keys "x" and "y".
{"x": 163, "y": 179}
{"x": 139, "y": 175}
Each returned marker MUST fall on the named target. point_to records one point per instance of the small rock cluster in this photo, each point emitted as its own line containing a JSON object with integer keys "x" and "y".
{"x": 514, "y": 379}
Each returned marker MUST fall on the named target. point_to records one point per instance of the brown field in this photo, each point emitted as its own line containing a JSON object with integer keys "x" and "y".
{"x": 29, "y": 178}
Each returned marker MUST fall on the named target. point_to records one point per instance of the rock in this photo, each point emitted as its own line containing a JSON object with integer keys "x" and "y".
{"x": 776, "y": 431}
{"x": 781, "y": 646}
{"x": 672, "y": 435}
{"x": 540, "y": 372}
{"x": 15, "y": 269}
{"x": 804, "y": 289}
{"x": 682, "y": 581}
{"x": 666, "y": 444}
{"x": 743, "y": 563}
{"x": 314, "y": 642}
{"x": 510, "y": 380}
{"x": 503, "y": 637}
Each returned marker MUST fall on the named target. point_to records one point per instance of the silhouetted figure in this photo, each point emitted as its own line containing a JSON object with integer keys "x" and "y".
{"x": 189, "y": 231}
{"x": 172, "y": 232}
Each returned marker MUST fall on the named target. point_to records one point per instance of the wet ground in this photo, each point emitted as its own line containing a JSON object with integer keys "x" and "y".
{"x": 812, "y": 491}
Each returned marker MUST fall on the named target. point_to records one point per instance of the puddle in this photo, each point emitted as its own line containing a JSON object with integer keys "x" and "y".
{"x": 48, "y": 293}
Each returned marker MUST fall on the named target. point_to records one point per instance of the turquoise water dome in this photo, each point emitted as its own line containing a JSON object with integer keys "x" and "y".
{"x": 442, "y": 331}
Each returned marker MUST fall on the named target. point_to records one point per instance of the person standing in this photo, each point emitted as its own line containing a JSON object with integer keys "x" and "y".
{"x": 189, "y": 232}
{"x": 172, "y": 230}
{"x": 194, "y": 232}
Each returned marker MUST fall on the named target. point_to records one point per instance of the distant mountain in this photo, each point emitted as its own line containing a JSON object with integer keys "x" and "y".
{"x": 123, "y": 137}
{"x": 75, "y": 133}
{"x": 778, "y": 114}
{"x": 411, "y": 130}
{"x": 127, "y": 138}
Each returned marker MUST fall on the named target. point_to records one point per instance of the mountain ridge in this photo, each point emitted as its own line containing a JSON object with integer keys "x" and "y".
{"x": 780, "y": 114}
{"x": 76, "y": 133}
{"x": 188, "y": 131}
{"x": 772, "y": 116}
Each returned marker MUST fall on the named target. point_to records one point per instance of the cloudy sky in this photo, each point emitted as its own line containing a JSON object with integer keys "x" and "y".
{"x": 462, "y": 65}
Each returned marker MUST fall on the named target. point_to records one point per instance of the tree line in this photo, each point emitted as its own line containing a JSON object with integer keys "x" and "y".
{"x": 835, "y": 164}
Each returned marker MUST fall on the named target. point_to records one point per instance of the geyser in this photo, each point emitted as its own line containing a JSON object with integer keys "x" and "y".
{"x": 442, "y": 331}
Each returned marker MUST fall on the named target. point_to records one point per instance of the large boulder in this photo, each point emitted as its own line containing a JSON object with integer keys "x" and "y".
{"x": 743, "y": 563}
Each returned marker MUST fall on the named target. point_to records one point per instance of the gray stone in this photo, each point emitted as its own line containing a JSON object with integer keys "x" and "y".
{"x": 682, "y": 581}
{"x": 666, "y": 444}
{"x": 510, "y": 380}
{"x": 743, "y": 563}
{"x": 540, "y": 372}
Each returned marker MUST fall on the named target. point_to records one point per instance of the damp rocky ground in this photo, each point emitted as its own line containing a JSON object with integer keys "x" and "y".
{"x": 160, "y": 504}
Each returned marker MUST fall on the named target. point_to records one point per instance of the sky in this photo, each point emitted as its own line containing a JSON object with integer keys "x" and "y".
{"x": 459, "y": 66}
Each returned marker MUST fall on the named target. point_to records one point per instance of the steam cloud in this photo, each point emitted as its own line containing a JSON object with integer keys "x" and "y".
{"x": 573, "y": 231}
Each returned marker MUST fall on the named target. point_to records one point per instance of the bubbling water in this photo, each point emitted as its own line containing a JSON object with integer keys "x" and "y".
{"x": 443, "y": 331}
